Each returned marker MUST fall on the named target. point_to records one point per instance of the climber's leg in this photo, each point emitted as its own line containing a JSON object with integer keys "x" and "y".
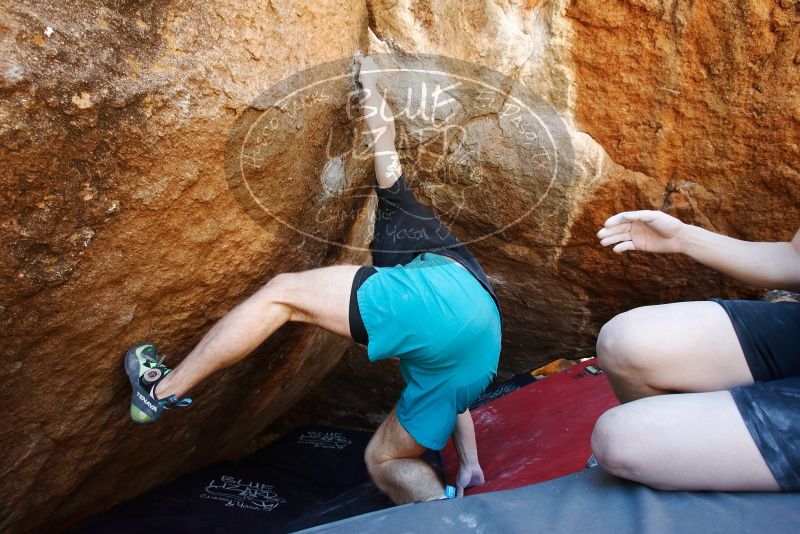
{"x": 320, "y": 297}
{"x": 393, "y": 461}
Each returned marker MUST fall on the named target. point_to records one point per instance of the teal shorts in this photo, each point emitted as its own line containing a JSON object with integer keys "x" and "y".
{"x": 444, "y": 327}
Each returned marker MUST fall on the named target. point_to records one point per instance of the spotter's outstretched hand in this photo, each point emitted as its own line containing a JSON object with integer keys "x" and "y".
{"x": 645, "y": 230}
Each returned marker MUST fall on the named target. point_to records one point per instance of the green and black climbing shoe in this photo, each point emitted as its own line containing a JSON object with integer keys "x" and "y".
{"x": 145, "y": 370}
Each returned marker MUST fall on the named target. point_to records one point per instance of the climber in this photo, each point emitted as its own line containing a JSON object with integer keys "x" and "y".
{"x": 425, "y": 300}
{"x": 736, "y": 363}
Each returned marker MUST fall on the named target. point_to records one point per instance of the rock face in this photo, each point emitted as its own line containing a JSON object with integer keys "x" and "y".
{"x": 121, "y": 221}
{"x": 118, "y": 224}
{"x": 678, "y": 106}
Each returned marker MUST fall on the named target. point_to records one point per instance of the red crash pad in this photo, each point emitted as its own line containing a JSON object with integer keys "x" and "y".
{"x": 539, "y": 432}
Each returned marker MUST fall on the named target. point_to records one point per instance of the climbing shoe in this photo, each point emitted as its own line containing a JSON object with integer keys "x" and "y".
{"x": 145, "y": 370}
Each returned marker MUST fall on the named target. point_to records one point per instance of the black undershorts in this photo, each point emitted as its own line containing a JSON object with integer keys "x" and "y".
{"x": 357, "y": 328}
{"x": 769, "y": 334}
{"x": 404, "y": 229}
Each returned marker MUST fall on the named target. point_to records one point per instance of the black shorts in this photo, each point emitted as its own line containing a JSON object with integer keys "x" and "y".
{"x": 404, "y": 229}
{"x": 769, "y": 334}
{"x": 357, "y": 328}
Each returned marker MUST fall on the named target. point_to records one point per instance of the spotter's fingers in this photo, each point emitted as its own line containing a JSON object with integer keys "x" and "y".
{"x": 624, "y": 247}
{"x": 646, "y": 216}
{"x": 608, "y": 231}
{"x": 615, "y": 220}
{"x": 630, "y": 216}
{"x": 617, "y": 238}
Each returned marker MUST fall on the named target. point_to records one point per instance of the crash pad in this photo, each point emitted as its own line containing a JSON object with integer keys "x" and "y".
{"x": 307, "y": 477}
{"x": 540, "y": 431}
{"x": 588, "y": 501}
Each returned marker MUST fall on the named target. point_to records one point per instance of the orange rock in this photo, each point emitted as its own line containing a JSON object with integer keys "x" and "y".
{"x": 691, "y": 109}
{"x": 170, "y": 248}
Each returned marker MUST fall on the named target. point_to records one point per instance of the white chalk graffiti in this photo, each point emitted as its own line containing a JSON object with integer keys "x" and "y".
{"x": 325, "y": 440}
{"x": 247, "y": 495}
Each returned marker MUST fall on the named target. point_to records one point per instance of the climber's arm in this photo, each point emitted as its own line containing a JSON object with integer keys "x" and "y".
{"x": 469, "y": 472}
{"x": 380, "y": 121}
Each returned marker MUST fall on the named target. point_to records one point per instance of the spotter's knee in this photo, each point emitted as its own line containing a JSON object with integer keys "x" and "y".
{"x": 621, "y": 344}
{"x": 606, "y": 442}
{"x": 615, "y": 445}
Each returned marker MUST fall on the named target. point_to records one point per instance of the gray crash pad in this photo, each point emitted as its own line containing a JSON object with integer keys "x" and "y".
{"x": 588, "y": 501}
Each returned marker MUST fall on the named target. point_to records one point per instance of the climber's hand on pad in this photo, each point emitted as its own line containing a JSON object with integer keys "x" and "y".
{"x": 645, "y": 230}
{"x": 469, "y": 475}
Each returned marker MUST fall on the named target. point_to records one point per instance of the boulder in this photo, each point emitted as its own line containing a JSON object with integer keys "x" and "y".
{"x": 688, "y": 108}
{"x": 155, "y": 172}
{"x": 119, "y": 224}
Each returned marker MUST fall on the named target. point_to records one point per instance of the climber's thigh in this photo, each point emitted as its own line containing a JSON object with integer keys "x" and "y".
{"x": 319, "y": 296}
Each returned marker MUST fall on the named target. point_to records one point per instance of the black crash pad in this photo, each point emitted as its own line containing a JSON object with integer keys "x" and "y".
{"x": 308, "y": 477}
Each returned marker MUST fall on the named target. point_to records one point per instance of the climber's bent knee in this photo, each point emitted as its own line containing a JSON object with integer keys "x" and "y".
{"x": 319, "y": 296}
{"x": 391, "y": 442}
